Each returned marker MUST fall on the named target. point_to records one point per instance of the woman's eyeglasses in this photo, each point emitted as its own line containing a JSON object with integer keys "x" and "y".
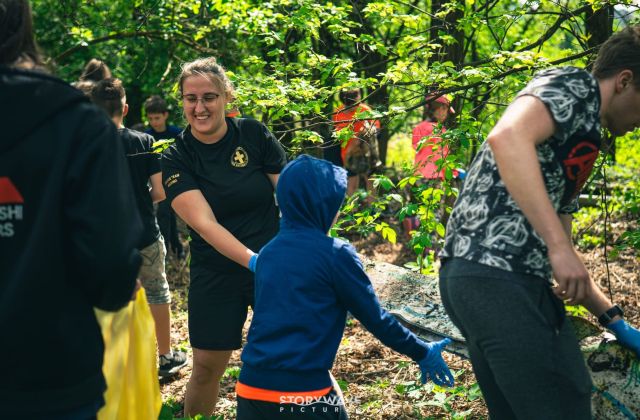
{"x": 206, "y": 99}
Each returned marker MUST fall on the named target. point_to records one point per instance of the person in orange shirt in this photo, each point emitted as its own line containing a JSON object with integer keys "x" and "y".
{"x": 351, "y": 109}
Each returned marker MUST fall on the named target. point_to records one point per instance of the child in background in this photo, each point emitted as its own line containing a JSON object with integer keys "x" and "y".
{"x": 157, "y": 114}
{"x": 430, "y": 151}
{"x": 429, "y": 148}
{"x": 305, "y": 284}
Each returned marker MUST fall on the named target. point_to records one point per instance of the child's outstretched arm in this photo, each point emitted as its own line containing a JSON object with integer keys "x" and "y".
{"x": 356, "y": 294}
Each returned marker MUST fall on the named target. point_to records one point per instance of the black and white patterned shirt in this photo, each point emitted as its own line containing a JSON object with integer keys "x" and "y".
{"x": 486, "y": 225}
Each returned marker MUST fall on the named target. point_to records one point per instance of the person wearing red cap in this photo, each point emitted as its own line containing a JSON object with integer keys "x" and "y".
{"x": 429, "y": 148}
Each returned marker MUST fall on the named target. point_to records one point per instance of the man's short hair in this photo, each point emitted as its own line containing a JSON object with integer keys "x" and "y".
{"x": 155, "y": 105}
{"x": 620, "y": 52}
{"x": 109, "y": 95}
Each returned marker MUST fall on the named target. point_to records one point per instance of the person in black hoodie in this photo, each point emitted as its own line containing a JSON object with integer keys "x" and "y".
{"x": 68, "y": 233}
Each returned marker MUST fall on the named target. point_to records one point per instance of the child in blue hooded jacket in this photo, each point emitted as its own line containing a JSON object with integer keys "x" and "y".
{"x": 305, "y": 284}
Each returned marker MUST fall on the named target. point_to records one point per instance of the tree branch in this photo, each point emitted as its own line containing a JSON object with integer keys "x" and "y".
{"x": 123, "y": 35}
{"x": 556, "y": 25}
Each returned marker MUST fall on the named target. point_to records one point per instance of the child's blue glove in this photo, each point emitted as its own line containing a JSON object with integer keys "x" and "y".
{"x": 433, "y": 366}
{"x": 626, "y": 335}
{"x": 252, "y": 262}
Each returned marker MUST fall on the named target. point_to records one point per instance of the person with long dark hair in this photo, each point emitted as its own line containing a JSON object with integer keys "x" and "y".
{"x": 68, "y": 233}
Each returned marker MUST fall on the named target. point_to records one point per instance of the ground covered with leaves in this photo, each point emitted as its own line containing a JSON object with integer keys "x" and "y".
{"x": 379, "y": 383}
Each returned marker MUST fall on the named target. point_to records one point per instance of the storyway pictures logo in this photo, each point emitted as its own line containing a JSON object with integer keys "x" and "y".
{"x": 322, "y": 404}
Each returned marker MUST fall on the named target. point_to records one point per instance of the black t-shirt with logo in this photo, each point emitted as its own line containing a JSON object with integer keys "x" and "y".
{"x": 142, "y": 164}
{"x": 486, "y": 225}
{"x": 232, "y": 176}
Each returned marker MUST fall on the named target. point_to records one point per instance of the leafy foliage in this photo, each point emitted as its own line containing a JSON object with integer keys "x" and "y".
{"x": 289, "y": 58}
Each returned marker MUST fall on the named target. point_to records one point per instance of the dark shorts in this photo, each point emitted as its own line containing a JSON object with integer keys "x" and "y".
{"x": 218, "y": 304}
{"x": 328, "y": 408}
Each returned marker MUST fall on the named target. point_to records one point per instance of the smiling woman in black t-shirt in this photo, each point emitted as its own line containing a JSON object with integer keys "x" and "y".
{"x": 219, "y": 176}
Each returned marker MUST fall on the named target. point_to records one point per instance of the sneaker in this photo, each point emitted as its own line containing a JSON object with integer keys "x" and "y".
{"x": 169, "y": 366}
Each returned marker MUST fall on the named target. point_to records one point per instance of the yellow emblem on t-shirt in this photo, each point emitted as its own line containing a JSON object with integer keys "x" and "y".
{"x": 171, "y": 180}
{"x": 239, "y": 158}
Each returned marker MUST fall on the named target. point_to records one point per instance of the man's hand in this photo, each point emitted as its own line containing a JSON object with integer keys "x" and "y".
{"x": 571, "y": 275}
{"x": 626, "y": 335}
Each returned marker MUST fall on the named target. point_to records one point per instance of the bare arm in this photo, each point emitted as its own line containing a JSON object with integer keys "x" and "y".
{"x": 192, "y": 207}
{"x": 513, "y": 141}
{"x": 274, "y": 179}
{"x": 567, "y": 223}
{"x": 157, "y": 190}
{"x": 596, "y": 301}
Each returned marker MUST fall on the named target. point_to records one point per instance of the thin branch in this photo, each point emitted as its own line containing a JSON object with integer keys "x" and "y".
{"x": 548, "y": 34}
{"x": 556, "y": 25}
{"x": 493, "y": 35}
{"x": 413, "y": 6}
{"x": 606, "y": 223}
{"x": 123, "y": 35}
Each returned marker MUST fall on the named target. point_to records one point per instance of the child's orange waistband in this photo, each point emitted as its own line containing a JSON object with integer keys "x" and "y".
{"x": 280, "y": 397}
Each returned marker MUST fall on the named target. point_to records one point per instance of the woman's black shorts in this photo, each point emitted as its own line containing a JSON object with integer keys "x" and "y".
{"x": 218, "y": 304}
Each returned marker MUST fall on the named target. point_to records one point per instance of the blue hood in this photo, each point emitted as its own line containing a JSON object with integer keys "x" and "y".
{"x": 310, "y": 192}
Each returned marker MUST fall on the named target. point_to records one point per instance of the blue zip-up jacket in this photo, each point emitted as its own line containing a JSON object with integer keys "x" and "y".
{"x": 305, "y": 283}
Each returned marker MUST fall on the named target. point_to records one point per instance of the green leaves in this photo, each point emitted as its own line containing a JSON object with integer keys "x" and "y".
{"x": 288, "y": 60}
{"x": 387, "y": 232}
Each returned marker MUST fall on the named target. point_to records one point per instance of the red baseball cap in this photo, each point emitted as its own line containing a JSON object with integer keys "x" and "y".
{"x": 442, "y": 99}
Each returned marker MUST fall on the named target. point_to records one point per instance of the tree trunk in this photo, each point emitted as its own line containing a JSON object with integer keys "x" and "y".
{"x": 374, "y": 64}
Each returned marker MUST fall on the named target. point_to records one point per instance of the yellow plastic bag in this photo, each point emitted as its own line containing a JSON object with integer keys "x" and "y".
{"x": 130, "y": 363}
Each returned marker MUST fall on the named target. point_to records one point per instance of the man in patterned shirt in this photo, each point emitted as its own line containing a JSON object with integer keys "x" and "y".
{"x": 509, "y": 235}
